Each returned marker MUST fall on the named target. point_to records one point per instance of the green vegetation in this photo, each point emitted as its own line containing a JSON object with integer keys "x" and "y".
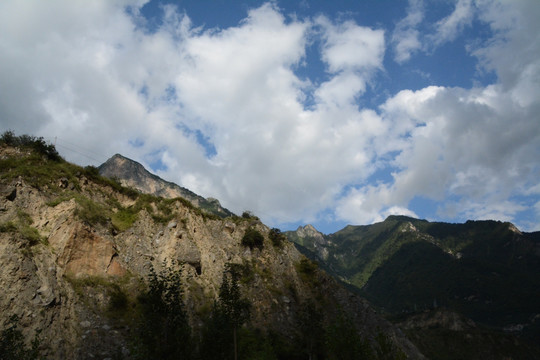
{"x": 343, "y": 341}
{"x": 91, "y": 212}
{"x": 439, "y": 343}
{"x": 160, "y": 328}
{"x": 307, "y": 269}
{"x": 120, "y": 294}
{"x": 481, "y": 269}
{"x": 277, "y": 237}
{"x": 311, "y": 335}
{"x": 124, "y": 218}
{"x": 22, "y": 226}
{"x": 41, "y": 166}
{"x": 229, "y": 313}
{"x": 249, "y": 215}
{"x": 30, "y": 142}
{"x": 253, "y": 239}
{"x": 8, "y": 227}
{"x": 12, "y": 346}
{"x": 163, "y": 331}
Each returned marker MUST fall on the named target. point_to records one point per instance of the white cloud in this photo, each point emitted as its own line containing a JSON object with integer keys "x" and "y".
{"x": 94, "y": 76}
{"x": 450, "y": 27}
{"x": 351, "y": 47}
{"x": 475, "y": 150}
{"x": 370, "y": 204}
{"x": 406, "y": 37}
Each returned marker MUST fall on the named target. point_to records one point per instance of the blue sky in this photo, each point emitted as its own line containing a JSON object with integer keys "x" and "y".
{"x": 321, "y": 112}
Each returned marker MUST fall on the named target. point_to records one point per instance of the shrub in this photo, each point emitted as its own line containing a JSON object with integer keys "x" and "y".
{"x": 8, "y": 227}
{"x": 123, "y": 219}
{"x": 253, "y": 238}
{"x": 12, "y": 343}
{"x": 30, "y": 142}
{"x": 307, "y": 270}
{"x": 249, "y": 215}
{"x": 90, "y": 212}
{"x": 118, "y": 299}
{"x": 22, "y": 226}
{"x": 277, "y": 237}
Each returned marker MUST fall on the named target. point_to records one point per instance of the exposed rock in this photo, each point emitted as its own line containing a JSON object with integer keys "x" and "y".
{"x": 83, "y": 252}
{"x": 133, "y": 174}
{"x": 56, "y": 285}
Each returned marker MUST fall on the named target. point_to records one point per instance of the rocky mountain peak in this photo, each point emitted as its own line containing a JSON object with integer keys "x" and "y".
{"x": 132, "y": 174}
{"x": 308, "y": 231}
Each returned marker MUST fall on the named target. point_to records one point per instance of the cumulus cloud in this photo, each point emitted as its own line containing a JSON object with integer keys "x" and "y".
{"x": 351, "y": 47}
{"x": 223, "y": 112}
{"x": 475, "y": 149}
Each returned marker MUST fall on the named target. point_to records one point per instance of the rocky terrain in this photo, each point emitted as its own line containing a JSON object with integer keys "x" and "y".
{"x": 132, "y": 174}
{"x": 76, "y": 250}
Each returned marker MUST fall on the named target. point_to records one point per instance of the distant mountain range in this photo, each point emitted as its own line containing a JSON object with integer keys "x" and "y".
{"x": 487, "y": 271}
{"x": 132, "y": 174}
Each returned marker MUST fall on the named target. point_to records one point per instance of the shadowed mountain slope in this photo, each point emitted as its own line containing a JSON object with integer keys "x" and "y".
{"x": 487, "y": 271}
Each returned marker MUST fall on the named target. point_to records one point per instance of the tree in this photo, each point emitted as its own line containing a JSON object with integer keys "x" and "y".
{"x": 163, "y": 331}
{"x": 386, "y": 349}
{"x": 311, "y": 331}
{"x": 343, "y": 341}
{"x": 232, "y": 306}
{"x": 229, "y": 313}
{"x": 30, "y": 142}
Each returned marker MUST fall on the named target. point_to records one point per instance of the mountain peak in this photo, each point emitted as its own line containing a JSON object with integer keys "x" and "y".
{"x": 402, "y": 218}
{"x": 308, "y": 231}
{"x": 133, "y": 174}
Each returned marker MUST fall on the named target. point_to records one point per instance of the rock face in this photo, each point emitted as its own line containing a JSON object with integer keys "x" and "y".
{"x": 312, "y": 239}
{"x": 62, "y": 258}
{"x": 133, "y": 174}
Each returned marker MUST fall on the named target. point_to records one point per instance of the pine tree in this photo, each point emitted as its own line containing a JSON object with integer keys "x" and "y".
{"x": 163, "y": 331}
{"x": 229, "y": 313}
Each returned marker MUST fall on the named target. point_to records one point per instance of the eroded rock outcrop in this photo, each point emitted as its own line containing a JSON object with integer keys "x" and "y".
{"x": 58, "y": 266}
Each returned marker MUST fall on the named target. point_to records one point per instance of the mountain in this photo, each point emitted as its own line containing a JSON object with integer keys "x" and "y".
{"x": 132, "y": 174}
{"x": 89, "y": 269}
{"x": 485, "y": 271}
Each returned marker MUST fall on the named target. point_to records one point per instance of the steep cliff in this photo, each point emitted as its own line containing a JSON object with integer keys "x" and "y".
{"x": 76, "y": 250}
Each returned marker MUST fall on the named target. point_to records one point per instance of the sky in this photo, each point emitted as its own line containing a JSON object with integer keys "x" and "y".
{"x": 322, "y": 112}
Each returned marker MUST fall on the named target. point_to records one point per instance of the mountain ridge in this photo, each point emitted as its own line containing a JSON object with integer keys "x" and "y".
{"x": 76, "y": 251}
{"x": 133, "y": 174}
{"x": 484, "y": 269}
{"x": 458, "y": 290}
